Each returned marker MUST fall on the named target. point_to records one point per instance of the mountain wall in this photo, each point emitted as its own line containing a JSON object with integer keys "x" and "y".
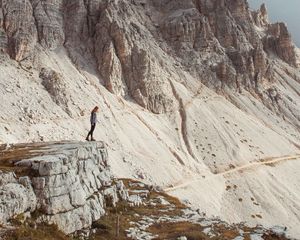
{"x": 126, "y": 42}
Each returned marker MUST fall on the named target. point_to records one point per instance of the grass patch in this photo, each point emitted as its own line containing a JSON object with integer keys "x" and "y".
{"x": 15, "y": 153}
{"x": 107, "y": 225}
{"x": 27, "y": 229}
{"x": 175, "y": 230}
{"x": 35, "y": 232}
{"x": 191, "y": 231}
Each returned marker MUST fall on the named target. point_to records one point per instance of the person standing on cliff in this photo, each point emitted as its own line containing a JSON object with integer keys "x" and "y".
{"x": 93, "y": 121}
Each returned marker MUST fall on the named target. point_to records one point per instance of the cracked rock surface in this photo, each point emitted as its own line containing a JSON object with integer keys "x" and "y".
{"x": 69, "y": 184}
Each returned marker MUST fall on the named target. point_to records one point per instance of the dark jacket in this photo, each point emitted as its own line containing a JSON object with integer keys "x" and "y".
{"x": 93, "y": 118}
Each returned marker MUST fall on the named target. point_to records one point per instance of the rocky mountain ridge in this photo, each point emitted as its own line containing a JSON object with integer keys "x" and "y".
{"x": 129, "y": 62}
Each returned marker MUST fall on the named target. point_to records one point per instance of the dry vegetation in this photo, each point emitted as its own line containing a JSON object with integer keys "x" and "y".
{"x": 106, "y": 226}
{"x": 10, "y": 155}
{"x": 27, "y": 229}
{"x": 45, "y": 232}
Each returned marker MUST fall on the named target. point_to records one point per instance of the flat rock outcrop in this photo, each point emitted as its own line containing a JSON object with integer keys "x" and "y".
{"x": 69, "y": 185}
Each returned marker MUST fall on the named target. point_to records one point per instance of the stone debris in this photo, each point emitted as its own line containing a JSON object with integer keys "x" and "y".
{"x": 256, "y": 237}
{"x": 137, "y": 234}
{"x": 182, "y": 238}
{"x": 239, "y": 238}
{"x": 163, "y": 201}
{"x": 122, "y": 191}
{"x": 142, "y": 193}
{"x": 279, "y": 230}
{"x": 135, "y": 200}
{"x": 209, "y": 226}
{"x": 137, "y": 184}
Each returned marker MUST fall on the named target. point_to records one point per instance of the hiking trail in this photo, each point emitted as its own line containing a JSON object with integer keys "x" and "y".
{"x": 265, "y": 161}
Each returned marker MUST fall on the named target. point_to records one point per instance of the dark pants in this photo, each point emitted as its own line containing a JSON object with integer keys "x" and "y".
{"x": 91, "y": 131}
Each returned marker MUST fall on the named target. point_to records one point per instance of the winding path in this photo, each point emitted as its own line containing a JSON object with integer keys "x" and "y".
{"x": 265, "y": 161}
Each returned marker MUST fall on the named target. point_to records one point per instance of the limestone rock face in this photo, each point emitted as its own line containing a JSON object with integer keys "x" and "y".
{"x": 279, "y": 41}
{"x": 261, "y": 16}
{"x": 18, "y": 28}
{"x": 16, "y": 196}
{"x": 127, "y": 42}
{"x": 49, "y": 22}
{"x": 69, "y": 186}
{"x": 127, "y": 60}
{"x": 187, "y": 28}
{"x": 52, "y": 81}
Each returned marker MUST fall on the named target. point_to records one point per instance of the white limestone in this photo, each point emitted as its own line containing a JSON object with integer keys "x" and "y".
{"x": 70, "y": 187}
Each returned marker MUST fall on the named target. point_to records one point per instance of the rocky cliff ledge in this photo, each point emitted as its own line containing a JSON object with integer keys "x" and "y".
{"x": 68, "y": 184}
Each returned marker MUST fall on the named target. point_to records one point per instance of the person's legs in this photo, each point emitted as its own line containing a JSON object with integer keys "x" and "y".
{"x": 91, "y": 132}
{"x": 87, "y": 138}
